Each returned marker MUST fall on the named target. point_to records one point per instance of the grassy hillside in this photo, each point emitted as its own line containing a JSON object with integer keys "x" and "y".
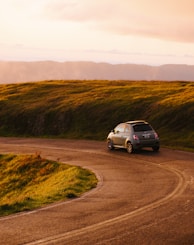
{"x": 89, "y": 109}
{"x": 28, "y": 182}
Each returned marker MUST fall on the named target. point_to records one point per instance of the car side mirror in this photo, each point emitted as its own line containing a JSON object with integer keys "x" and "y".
{"x": 116, "y": 131}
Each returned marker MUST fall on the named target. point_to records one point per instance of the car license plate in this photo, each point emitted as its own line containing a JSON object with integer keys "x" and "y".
{"x": 146, "y": 136}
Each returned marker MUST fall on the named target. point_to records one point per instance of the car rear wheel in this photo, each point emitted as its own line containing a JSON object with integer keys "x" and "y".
{"x": 129, "y": 148}
{"x": 155, "y": 148}
{"x": 110, "y": 144}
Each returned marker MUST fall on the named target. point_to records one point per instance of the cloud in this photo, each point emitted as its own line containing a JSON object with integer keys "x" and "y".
{"x": 162, "y": 19}
{"x": 82, "y": 10}
{"x": 128, "y": 53}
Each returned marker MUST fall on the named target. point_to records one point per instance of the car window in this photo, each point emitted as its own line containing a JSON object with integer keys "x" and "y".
{"x": 127, "y": 128}
{"x": 120, "y": 128}
{"x": 142, "y": 127}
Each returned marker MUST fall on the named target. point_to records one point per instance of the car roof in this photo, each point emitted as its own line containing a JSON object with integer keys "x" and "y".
{"x": 136, "y": 122}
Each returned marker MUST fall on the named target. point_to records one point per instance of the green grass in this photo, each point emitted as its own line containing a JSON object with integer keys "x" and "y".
{"x": 89, "y": 109}
{"x": 28, "y": 182}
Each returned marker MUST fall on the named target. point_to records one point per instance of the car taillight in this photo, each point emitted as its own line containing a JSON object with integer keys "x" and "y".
{"x": 135, "y": 137}
{"x": 156, "y": 135}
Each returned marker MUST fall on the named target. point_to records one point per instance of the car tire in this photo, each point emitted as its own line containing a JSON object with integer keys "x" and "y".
{"x": 110, "y": 144}
{"x": 156, "y": 148}
{"x": 129, "y": 148}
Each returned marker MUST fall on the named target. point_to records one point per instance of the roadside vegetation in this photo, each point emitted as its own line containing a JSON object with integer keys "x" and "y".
{"x": 81, "y": 110}
{"x": 29, "y": 181}
{"x": 90, "y": 109}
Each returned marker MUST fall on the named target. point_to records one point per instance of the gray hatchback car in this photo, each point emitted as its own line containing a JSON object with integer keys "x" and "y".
{"x": 133, "y": 135}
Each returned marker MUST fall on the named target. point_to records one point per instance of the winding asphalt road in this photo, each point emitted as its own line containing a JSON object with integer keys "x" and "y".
{"x": 142, "y": 198}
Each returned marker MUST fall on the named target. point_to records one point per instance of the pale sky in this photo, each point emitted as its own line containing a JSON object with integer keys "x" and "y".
{"x": 152, "y": 32}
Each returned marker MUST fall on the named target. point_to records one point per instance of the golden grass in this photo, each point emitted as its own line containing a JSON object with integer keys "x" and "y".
{"x": 28, "y": 182}
{"x": 89, "y": 109}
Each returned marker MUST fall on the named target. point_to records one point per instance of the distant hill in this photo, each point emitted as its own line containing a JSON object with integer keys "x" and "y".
{"x": 13, "y": 72}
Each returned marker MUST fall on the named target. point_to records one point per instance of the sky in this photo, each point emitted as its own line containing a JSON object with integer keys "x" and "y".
{"x": 151, "y": 32}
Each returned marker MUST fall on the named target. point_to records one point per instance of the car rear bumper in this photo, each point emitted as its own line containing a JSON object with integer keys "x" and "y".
{"x": 146, "y": 144}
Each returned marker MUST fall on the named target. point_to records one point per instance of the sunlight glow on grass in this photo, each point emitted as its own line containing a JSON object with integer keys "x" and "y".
{"x": 90, "y": 109}
{"x": 28, "y": 182}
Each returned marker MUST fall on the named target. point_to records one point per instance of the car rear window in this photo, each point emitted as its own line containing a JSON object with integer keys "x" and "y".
{"x": 142, "y": 127}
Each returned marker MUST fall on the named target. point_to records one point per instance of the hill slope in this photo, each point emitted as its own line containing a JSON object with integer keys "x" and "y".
{"x": 89, "y": 109}
{"x": 12, "y": 72}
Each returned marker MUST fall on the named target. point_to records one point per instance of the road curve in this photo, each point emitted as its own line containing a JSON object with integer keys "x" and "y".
{"x": 143, "y": 198}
